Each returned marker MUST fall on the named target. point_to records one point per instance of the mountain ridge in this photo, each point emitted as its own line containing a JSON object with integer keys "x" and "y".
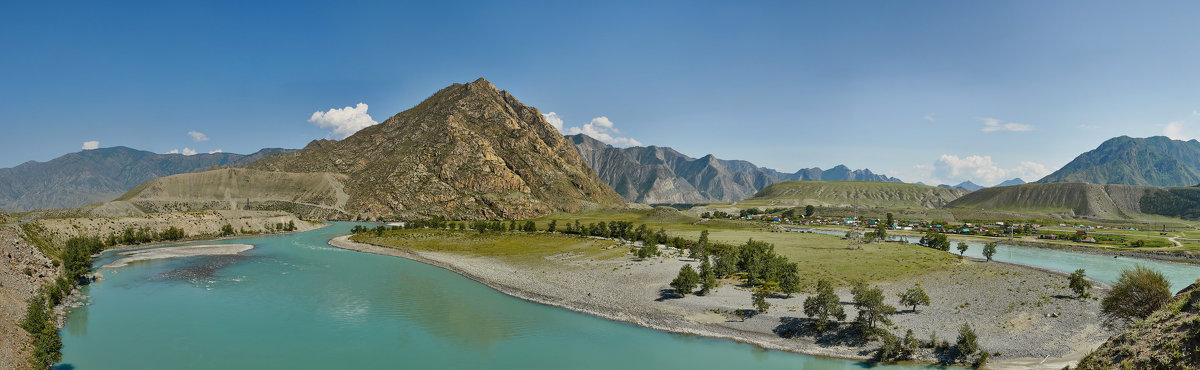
{"x": 1151, "y": 161}
{"x": 657, "y": 174}
{"x": 98, "y": 175}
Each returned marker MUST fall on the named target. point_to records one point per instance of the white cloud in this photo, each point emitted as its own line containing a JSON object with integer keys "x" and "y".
{"x": 951, "y": 169}
{"x": 173, "y": 151}
{"x": 603, "y": 129}
{"x": 1177, "y": 130}
{"x": 89, "y": 145}
{"x": 344, "y": 122}
{"x": 197, "y": 136}
{"x": 993, "y": 125}
{"x": 932, "y": 117}
{"x": 215, "y": 151}
{"x": 187, "y": 151}
{"x": 554, "y": 120}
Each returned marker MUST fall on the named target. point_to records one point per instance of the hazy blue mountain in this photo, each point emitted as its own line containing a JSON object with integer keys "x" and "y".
{"x": 655, "y": 174}
{"x": 1154, "y": 161}
{"x": 98, "y": 175}
{"x": 1016, "y": 181}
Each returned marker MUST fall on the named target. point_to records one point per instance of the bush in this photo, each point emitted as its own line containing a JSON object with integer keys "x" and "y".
{"x": 1079, "y": 284}
{"x": 967, "y": 342}
{"x": 1137, "y": 293}
{"x": 823, "y": 306}
{"x": 686, "y": 281}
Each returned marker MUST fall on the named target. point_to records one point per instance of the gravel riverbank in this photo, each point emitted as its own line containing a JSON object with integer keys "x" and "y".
{"x": 1026, "y": 315}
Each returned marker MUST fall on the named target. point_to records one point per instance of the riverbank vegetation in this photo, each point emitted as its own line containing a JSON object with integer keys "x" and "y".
{"x": 40, "y": 321}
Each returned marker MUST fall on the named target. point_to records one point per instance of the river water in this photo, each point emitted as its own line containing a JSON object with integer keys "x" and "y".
{"x": 294, "y": 302}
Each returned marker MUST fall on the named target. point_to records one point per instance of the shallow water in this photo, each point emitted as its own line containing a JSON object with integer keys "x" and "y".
{"x": 1097, "y": 266}
{"x": 293, "y": 302}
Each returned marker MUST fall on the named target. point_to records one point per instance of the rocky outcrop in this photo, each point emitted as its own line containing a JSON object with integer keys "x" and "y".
{"x": 470, "y": 151}
{"x": 656, "y": 174}
{"x": 23, "y": 269}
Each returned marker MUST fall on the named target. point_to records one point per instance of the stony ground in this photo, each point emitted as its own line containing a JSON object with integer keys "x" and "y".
{"x": 22, "y": 270}
{"x": 1024, "y": 314}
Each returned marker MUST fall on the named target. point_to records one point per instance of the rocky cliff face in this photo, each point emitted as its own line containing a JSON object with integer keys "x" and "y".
{"x": 656, "y": 174}
{"x": 23, "y": 269}
{"x": 470, "y": 151}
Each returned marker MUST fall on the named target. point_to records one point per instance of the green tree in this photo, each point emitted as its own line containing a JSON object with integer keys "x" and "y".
{"x": 1079, "y": 283}
{"x": 823, "y": 306}
{"x": 47, "y": 347}
{"x": 755, "y": 260}
{"x": 647, "y": 251}
{"x": 891, "y": 220}
{"x": 759, "y": 298}
{"x": 1138, "y": 293}
{"x": 989, "y": 250}
{"x": 914, "y": 297}
{"x": 967, "y": 344}
{"x": 871, "y": 308}
{"x": 727, "y": 262}
{"x": 788, "y": 277}
{"x": 553, "y": 227}
{"x": 962, "y": 248}
{"x": 910, "y": 343}
{"x": 77, "y": 256}
{"x": 809, "y": 210}
{"x": 708, "y": 277}
{"x": 935, "y": 240}
{"x": 880, "y": 231}
{"x": 701, "y": 248}
{"x": 890, "y": 349}
{"x": 226, "y": 230}
{"x": 686, "y": 281}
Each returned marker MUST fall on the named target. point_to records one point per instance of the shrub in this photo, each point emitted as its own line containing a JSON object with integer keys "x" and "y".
{"x": 1138, "y": 293}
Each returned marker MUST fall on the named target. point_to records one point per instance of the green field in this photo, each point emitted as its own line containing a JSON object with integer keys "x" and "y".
{"x": 818, "y": 256}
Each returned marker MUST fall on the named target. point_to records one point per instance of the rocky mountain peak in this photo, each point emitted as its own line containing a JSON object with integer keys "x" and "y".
{"x": 469, "y": 151}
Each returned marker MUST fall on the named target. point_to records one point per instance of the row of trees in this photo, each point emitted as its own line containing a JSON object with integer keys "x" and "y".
{"x": 39, "y": 320}
{"x": 756, "y": 262}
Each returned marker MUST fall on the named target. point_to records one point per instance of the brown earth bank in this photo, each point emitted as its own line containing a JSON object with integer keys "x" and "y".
{"x": 198, "y": 224}
{"x": 1028, "y": 316}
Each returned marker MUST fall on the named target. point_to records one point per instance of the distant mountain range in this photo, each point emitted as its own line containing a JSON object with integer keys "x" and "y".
{"x": 1153, "y": 161}
{"x": 99, "y": 175}
{"x": 656, "y": 174}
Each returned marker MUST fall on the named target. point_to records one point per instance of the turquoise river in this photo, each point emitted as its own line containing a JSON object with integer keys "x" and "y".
{"x": 294, "y": 302}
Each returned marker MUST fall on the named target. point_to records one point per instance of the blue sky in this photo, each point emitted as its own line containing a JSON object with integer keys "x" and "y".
{"x": 934, "y": 91}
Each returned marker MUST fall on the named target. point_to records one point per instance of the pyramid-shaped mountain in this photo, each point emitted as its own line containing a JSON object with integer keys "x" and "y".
{"x": 470, "y": 151}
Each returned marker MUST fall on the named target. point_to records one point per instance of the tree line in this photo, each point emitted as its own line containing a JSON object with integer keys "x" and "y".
{"x": 39, "y": 320}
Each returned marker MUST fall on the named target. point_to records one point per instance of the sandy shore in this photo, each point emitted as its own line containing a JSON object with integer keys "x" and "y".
{"x": 176, "y": 252}
{"x": 1027, "y": 315}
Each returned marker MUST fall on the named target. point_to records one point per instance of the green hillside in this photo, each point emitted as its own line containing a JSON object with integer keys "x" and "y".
{"x": 1152, "y": 161}
{"x": 852, "y": 193}
{"x": 1067, "y": 200}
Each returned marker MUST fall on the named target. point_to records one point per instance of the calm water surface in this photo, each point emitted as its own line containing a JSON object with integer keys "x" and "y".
{"x": 294, "y": 302}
